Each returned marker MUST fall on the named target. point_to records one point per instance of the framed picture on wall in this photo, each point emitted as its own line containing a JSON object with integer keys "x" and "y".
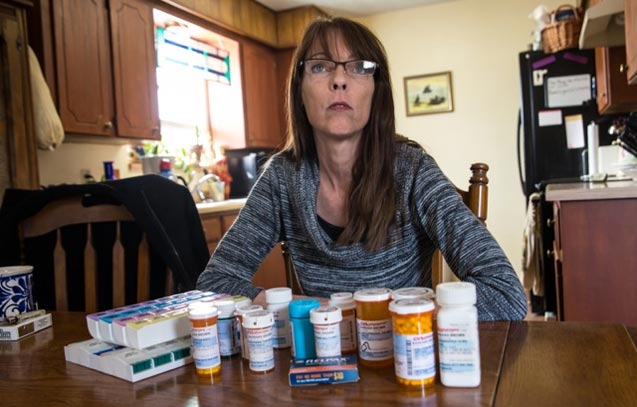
{"x": 430, "y": 93}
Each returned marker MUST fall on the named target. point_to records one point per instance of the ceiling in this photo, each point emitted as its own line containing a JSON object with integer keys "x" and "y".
{"x": 349, "y": 8}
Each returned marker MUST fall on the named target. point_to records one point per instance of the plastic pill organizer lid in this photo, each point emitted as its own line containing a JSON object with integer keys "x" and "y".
{"x": 258, "y": 319}
{"x": 372, "y": 294}
{"x": 278, "y": 294}
{"x": 15, "y": 270}
{"x": 301, "y": 308}
{"x": 226, "y": 307}
{"x": 413, "y": 292}
{"x": 202, "y": 310}
{"x": 326, "y": 315}
{"x": 411, "y": 306}
{"x": 456, "y": 293}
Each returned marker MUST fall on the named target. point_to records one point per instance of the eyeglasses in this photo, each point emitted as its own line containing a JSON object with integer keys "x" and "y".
{"x": 325, "y": 66}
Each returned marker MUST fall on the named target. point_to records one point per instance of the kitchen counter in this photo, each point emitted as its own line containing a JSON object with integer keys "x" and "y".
{"x": 222, "y": 206}
{"x": 580, "y": 191}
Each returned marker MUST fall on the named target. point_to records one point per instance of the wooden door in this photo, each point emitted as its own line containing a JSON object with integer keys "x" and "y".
{"x": 261, "y": 99}
{"x": 83, "y": 62}
{"x": 18, "y": 159}
{"x": 630, "y": 24}
{"x": 134, "y": 64}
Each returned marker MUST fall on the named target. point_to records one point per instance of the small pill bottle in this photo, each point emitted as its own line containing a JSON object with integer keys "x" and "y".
{"x": 413, "y": 292}
{"x": 205, "y": 341}
{"x": 258, "y": 328}
{"x": 373, "y": 325}
{"x": 414, "y": 356}
{"x": 239, "y": 313}
{"x": 327, "y": 330}
{"x": 278, "y": 300}
{"x": 302, "y": 329}
{"x": 229, "y": 339}
{"x": 345, "y": 301}
{"x": 458, "y": 340}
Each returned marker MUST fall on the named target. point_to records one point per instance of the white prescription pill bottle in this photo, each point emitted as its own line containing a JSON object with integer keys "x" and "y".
{"x": 458, "y": 340}
{"x": 278, "y": 300}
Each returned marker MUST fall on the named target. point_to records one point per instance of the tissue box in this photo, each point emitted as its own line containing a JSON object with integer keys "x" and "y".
{"x": 331, "y": 370}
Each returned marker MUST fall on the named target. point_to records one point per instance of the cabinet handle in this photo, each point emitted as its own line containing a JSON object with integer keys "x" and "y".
{"x": 550, "y": 253}
{"x": 623, "y": 68}
{"x": 550, "y": 222}
{"x": 155, "y": 130}
{"x": 108, "y": 125}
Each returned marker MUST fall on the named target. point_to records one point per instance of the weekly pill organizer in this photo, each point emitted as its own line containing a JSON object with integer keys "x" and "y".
{"x": 149, "y": 323}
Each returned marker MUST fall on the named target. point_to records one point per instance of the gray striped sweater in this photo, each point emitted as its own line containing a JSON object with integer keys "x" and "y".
{"x": 429, "y": 213}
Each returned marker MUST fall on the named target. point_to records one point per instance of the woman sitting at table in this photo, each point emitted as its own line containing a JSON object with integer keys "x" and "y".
{"x": 358, "y": 205}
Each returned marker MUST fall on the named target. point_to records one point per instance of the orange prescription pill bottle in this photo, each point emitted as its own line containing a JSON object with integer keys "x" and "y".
{"x": 239, "y": 313}
{"x": 205, "y": 341}
{"x": 345, "y": 301}
{"x": 373, "y": 324}
{"x": 414, "y": 356}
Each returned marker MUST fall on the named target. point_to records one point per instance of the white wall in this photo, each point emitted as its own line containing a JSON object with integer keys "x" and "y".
{"x": 479, "y": 42}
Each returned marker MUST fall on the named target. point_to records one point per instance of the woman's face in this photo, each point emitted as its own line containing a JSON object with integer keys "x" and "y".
{"x": 337, "y": 104}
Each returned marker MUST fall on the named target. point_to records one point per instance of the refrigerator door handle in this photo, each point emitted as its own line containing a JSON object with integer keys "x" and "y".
{"x": 519, "y": 142}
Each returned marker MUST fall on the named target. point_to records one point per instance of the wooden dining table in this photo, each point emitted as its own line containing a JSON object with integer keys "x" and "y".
{"x": 523, "y": 364}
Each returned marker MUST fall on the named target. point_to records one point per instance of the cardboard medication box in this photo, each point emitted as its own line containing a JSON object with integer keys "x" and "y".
{"x": 332, "y": 370}
{"x": 13, "y": 332}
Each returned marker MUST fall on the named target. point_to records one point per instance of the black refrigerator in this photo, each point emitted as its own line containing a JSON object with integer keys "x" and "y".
{"x": 557, "y": 104}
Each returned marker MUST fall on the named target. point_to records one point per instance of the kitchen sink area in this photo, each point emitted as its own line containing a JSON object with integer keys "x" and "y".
{"x": 220, "y": 206}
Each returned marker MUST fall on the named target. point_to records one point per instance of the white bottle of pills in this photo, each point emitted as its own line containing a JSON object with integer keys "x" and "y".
{"x": 327, "y": 331}
{"x": 458, "y": 340}
{"x": 278, "y": 300}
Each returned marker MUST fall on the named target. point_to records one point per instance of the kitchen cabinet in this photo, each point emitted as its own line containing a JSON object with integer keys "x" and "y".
{"x": 271, "y": 272}
{"x": 261, "y": 98}
{"x": 291, "y": 24}
{"x": 104, "y": 59}
{"x": 245, "y": 17}
{"x": 594, "y": 251}
{"x": 614, "y": 94}
{"x": 630, "y": 25}
{"x": 18, "y": 158}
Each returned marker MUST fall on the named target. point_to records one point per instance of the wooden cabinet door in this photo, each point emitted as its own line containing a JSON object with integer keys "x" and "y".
{"x": 83, "y": 65}
{"x": 18, "y": 158}
{"x": 261, "y": 100}
{"x": 614, "y": 94}
{"x": 134, "y": 64}
{"x": 630, "y": 24}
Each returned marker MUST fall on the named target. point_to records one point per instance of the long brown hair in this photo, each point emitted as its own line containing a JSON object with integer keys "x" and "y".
{"x": 372, "y": 199}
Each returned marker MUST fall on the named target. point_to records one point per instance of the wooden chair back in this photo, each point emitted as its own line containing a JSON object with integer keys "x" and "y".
{"x": 58, "y": 214}
{"x": 476, "y": 198}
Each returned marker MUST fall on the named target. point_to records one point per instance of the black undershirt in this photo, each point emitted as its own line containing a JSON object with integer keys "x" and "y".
{"x": 332, "y": 231}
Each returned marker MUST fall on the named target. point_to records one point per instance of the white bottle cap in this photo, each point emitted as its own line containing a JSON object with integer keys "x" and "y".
{"x": 413, "y": 292}
{"x": 372, "y": 294}
{"x": 247, "y": 309}
{"x": 202, "y": 310}
{"x": 326, "y": 315}
{"x": 241, "y": 301}
{"x": 258, "y": 319}
{"x": 411, "y": 306}
{"x": 457, "y": 293}
{"x": 344, "y": 301}
{"x": 278, "y": 294}
{"x": 225, "y": 306}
